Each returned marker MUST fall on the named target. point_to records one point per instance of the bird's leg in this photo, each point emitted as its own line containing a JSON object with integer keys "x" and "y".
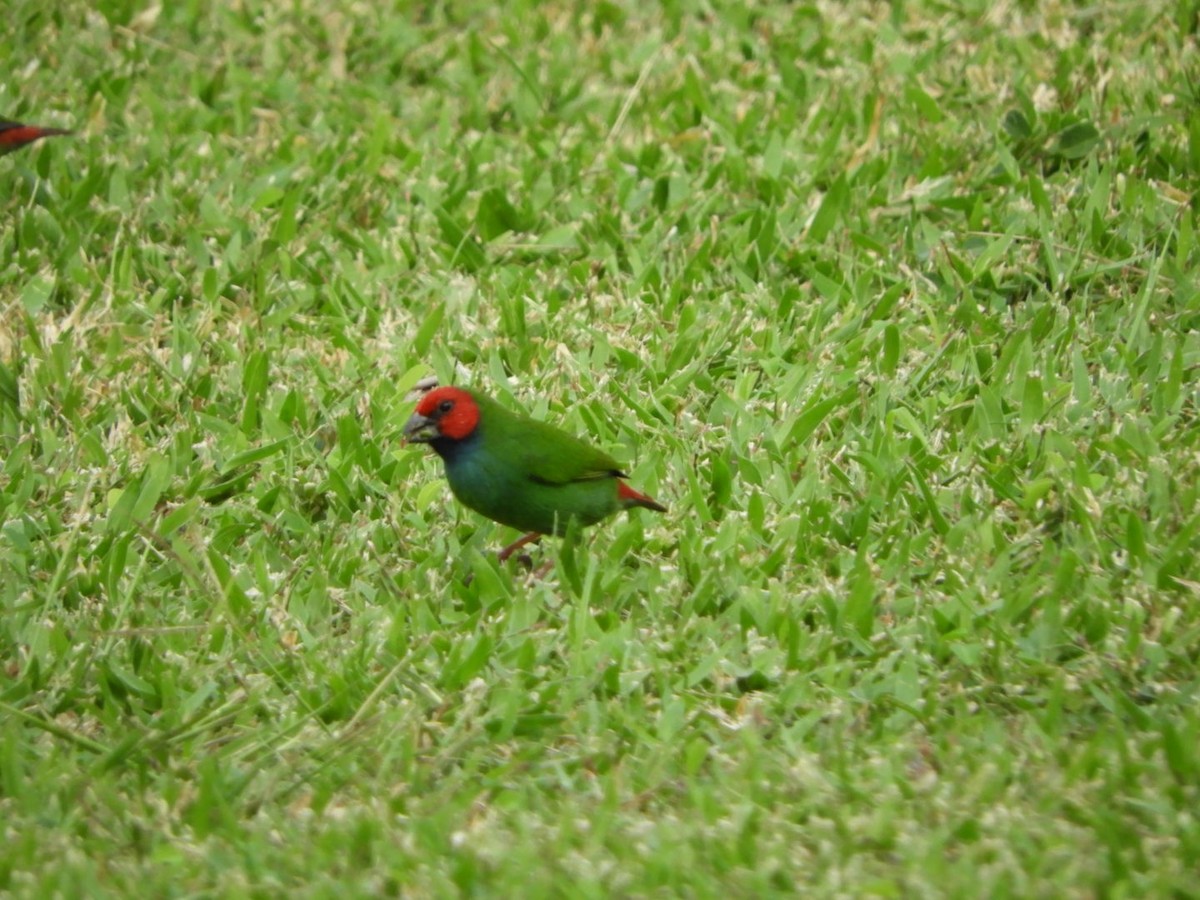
{"x": 518, "y": 544}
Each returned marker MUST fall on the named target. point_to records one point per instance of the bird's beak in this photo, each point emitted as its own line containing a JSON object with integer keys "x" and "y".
{"x": 420, "y": 430}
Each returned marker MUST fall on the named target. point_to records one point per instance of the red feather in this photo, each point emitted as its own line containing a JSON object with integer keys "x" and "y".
{"x": 14, "y": 135}
{"x": 630, "y": 497}
{"x": 459, "y": 420}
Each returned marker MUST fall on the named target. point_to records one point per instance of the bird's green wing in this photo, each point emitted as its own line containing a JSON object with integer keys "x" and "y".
{"x": 555, "y": 457}
{"x": 546, "y": 454}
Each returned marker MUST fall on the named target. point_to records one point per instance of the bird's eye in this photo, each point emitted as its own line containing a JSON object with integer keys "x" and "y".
{"x": 445, "y": 406}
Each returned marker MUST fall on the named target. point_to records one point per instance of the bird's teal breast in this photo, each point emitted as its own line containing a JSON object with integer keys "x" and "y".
{"x": 511, "y": 495}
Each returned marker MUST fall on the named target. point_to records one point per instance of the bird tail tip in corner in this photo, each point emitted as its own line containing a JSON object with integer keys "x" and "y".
{"x": 630, "y": 497}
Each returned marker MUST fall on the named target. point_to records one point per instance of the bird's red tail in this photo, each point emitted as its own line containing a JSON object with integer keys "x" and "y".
{"x": 14, "y": 135}
{"x": 629, "y": 497}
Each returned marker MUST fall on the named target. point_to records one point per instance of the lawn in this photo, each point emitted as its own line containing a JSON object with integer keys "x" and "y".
{"x": 893, "y": 305}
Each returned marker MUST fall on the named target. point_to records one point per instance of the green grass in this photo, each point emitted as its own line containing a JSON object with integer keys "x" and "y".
{"x": 894, "y": 305}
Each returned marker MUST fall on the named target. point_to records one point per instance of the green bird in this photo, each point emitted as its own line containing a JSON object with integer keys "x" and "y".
{"x": 518, "y": 471}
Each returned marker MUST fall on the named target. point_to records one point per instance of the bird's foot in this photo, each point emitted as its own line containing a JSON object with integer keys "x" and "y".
{"x": 516, "y": 545}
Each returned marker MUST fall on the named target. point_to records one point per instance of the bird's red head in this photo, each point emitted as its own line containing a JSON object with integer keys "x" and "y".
{"x": 445, "y": 412}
